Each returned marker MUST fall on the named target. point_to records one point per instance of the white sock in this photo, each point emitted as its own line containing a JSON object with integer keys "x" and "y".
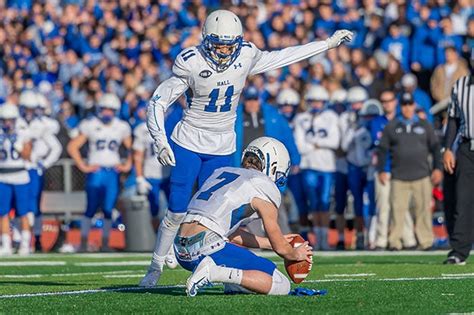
{"x": 106, "y": 231}
{"x": 6, "y": 241}
{"x": 16, "y": 230}
{"x": 25, "y": 238}
{"x": 225, "y": 274}
{"x": 85, "y": 227}
{"x": 38, "y": 226}
{"x": 164, "y": 239}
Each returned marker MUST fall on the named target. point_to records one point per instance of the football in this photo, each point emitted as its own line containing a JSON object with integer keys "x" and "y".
{"x": 297, "y": 270}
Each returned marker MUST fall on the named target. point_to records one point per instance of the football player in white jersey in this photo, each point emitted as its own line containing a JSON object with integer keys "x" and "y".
{"x": 357, "y": 142}
{"x": 204, "y": 139}
{"x": 231, "y": 198}
{"x": 152, "y": 177}
{"x": 15, "y": 150}
{"x": 317, "y": 136}
{"x": 45, "y": 152}
{"x": 105, "y": 134}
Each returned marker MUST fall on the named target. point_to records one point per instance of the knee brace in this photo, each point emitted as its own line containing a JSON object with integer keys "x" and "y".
{"x": 280, "y": 284}
{"x": 172, "y": 220}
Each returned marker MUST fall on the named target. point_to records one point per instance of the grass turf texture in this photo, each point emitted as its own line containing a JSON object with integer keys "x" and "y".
{"x": 355, "y": 284}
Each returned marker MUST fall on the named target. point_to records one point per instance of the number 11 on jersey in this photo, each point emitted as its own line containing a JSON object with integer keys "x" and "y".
{"x": 214, "y": 95}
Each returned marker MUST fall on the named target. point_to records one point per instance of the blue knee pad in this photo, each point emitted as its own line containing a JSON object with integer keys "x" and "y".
{"x": 357, "y": 182}
{"x": 341, "y": 188}
{"x": 35, "y": 190}
{"x": 14, "y": 195}
{"x": 102, "y": 188}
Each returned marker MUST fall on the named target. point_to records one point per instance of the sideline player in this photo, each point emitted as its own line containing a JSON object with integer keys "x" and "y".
{"x": 317, "y": 137}
{"x": 105, "y": 134}
{"x": 229, "y": 199}
{"x": 15, "y": 150}
{"x": 204, "y": 139}
{"x": 45, "y": 152}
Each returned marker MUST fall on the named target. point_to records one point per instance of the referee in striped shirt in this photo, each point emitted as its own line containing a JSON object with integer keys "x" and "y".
{"x": 461, "y": 121}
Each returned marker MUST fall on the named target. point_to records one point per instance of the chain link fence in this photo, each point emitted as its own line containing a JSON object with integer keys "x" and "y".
{"x": 64, "y": 176}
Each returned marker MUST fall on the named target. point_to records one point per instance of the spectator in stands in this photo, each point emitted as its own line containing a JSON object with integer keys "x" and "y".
{"x": 422, "y": 99}
{"x": 410, "y": 141}
{"x": 447, "y": 73}
{"x": 397, "y": 45}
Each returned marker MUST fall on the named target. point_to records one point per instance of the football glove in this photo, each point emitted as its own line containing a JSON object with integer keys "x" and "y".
{"x": 339, "y": 37}
{"x": 143, "y": 186}
{"x": 164, "y": 154}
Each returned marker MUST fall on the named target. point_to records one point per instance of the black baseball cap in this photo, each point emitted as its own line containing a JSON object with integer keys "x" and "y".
{"x": 407, "y": 99}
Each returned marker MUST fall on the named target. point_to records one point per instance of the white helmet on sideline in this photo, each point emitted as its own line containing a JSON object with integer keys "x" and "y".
{"x": 338, "y": 96}
{"x": 110, "y": 101}
{"x": 222, "y": 27}
{"x": 317, "y": 93}
{"x": 9, "y": 111}
{"x": 28, "y": 99}
{"x": 273, "y": 156}
{"x": 371, "y": 107}
{"x": 288, "y": 96}
{"x": 357, "y": 94}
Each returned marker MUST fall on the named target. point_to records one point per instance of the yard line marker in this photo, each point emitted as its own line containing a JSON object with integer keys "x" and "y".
{"x": 31, "y": 263}
{"x": 350, "y": 275}
{"x": 136, "y": 275}
{"x": 457, "y": 274}
{"x": 66, "y": 274}
{"x": 114, "y": 263}
{"x": 12, "y": 296}
{"x": 390, "y": 279}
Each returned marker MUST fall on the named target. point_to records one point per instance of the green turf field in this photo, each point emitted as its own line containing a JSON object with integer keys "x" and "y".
{"x": 93, "y": 283}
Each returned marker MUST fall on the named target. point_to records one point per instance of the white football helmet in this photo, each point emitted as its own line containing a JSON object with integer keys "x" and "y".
{"x": 371, "y": 107}
{"x": 357, "y": 94}
{"x": 9, "y": 113}
{"x": 222, "y": 28}
{"x": 273, "y": 157}
{"x": 316, "y": 93}
{"x": 110, "y": 101}
{"x": 28, "y": 99}
{"x": 288, "y": 96}
{"x": 338, "y": 96}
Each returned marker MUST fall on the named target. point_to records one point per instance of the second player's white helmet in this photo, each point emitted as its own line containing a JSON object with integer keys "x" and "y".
{"x": 28, "y": 99}
{"x": 9, "y": 111}
{"x": 316, "y": 93}
{"x": 357, "y": 94}
{"x": 288, "y": 96}
{"x": 273, "y": 157}
{"x": 110, "y": 101}
{"x": 222, "y": 29}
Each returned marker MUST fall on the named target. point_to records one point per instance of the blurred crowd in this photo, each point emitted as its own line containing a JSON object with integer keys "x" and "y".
{"x": 404, "y": 52}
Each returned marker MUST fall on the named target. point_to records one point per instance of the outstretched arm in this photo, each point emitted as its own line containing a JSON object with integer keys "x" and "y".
{"x": 267, "y": 61}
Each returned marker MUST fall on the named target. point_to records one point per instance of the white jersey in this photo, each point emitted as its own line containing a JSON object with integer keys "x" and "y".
{"x": 142, "y": 141}
{"x": 46, "y": 148}
{"x": 51, "y": 124}
{"x": 208, "y": 122}
{"x": 223, "y": 202}
{"x": 317, "y": 136}
{"x": 104, "y": 140}
{"x": 12, "y": 165}
{"x": 357, "y": 142}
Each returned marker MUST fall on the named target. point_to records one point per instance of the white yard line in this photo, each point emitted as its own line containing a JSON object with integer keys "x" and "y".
{"x": 68, "y": 274}
{"x": 31, "y": 263}
{"x": 342, "y": 275}
{"x": 136, "y": 275}
{"x": 13, "y": 296}
{"x": 458, "y": 274}
{"x": 389, "y": 279}
{"x": 114, "y": 263}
